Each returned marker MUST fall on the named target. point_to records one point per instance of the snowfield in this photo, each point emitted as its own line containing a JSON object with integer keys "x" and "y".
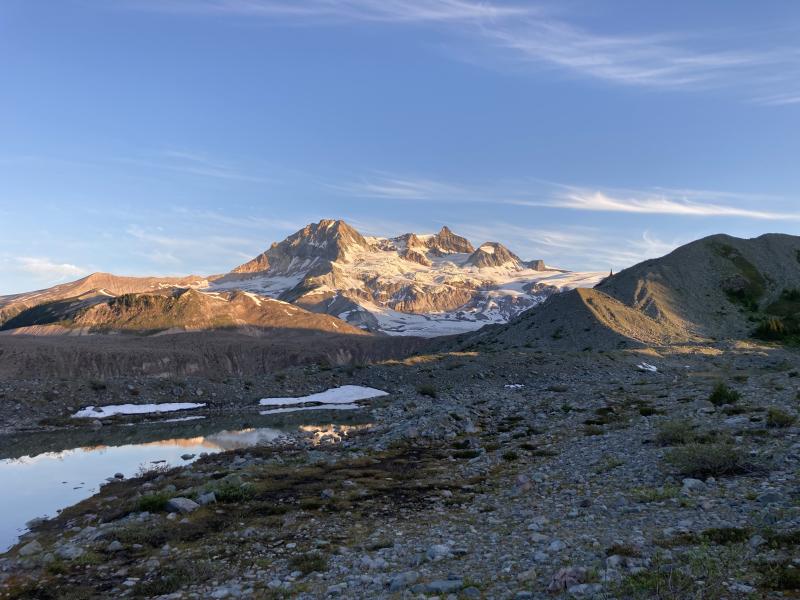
{"x": 101, "y": 412}
{"x": 347, "y": 394}
{"x": 498, "y": 293}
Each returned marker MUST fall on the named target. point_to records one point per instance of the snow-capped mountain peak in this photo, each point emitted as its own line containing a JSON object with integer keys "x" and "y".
{"x": 423, "y": 284}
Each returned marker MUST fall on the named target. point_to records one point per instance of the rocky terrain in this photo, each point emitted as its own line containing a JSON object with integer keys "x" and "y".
{"x": 484, "y": 475}
{"x": 636, "y": 440}
{"x": 425, "y": 285}
{"x": 716, "y": 288}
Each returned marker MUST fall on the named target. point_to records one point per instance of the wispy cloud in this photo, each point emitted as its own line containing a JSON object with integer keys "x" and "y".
{"x": 529, "y": 34}
{"x": 645, "y": 202}
{"x": 43, "y": 268}
{"x": 240, "y": 222}
{"x": 573, "y": 246}
{"x": 194, "y": 164}
{"x": 536, "y": 193}
{"x": 391, "y": 11}
{"x": 393, "y": 187}
{"x": 179, "y": 249}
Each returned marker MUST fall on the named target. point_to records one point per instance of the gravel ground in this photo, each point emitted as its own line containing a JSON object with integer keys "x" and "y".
{"x": 513, "y": 474}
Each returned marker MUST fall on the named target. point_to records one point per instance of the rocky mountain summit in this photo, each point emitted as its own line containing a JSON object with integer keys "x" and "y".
{"x": 410, "y": 284}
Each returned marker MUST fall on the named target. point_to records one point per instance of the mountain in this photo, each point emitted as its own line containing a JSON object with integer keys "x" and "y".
{"x": 412, "y": 284}
{"x": 492, "y": 254}
{"x": 174, "y": 311}
{"x": 317, "y": 243}
{"x": 94, "y": 285}
{"x": 716, "y": 288}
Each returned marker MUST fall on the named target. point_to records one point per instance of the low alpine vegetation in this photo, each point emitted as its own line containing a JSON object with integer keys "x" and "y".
{"x": 722, "y": 395}
{"x": 710, "y": 460}
{"x": 675, "y": 432}
{"x": 779, "y": 418}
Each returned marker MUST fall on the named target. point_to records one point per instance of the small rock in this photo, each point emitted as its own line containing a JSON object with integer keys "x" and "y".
{"x": 207, "y": 498}
{"x": 444, "y": 586}
{"x": 69, "y": 552}
{"x": 769, "y": 498}
{"x": 30, "y": 548}
{"x": 114, "y": 546}
{"x": 438, "y": 552}
{"x": 693, "y": 485}
{"x": 566, "y": 578}
{"x": 182, "y": 505}
{"x": 403, "y": 580}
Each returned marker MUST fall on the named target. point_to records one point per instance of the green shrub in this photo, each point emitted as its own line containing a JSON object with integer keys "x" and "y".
{"x": 771, "y": 329}
{"x": 623, "y": 550}
{"x": 726, "y": 535}
{"x": 309, "y": 563}
{"x": 153, "y": 502}
{"x": 707, "y": 460}
{"x": 466, "y": 454}
{"x": 427, "y": 389}
{"x": 722, "y": 394}
{"x": 230, "y": 493}
{"x": 779, "y": 418}
{"x": 652, "y": 494}
{"x": 675, "y": 433}
{"x": 784, "y": 576}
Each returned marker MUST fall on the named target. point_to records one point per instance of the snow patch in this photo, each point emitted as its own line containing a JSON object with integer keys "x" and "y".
{"x": 290, "y": 409}
{"x": 182, "y": 419}
{"x": 101, "y": 412}
{"x": 346, "y": 394}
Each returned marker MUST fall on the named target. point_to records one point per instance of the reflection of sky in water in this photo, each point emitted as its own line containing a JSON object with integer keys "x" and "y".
{"x": 40, "y": 485}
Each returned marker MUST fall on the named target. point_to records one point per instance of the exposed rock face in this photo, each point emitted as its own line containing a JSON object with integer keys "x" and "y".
{"x": 415, "y": 256}
{"x": 537, "y": 265}
{"x": 324, "y": 241}
{"x": 447, "y": 242}
{"x": 492, "y": 254}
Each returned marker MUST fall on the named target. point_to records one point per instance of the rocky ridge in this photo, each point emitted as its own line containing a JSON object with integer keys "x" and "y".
{"x": 716, "y": 288}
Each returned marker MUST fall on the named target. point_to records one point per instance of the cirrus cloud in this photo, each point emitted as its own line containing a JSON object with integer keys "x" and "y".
{"x": 512, "y": 33}
{"x": 44, "y": 268}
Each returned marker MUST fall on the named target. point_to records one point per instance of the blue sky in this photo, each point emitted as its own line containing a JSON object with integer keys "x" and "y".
{"x": 177, "y": 136}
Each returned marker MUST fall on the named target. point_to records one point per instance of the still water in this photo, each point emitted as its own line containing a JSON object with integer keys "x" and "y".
{"x": 43, "y": 473}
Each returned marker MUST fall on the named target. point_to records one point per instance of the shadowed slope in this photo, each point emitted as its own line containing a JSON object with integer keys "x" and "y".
{"x": 719, "y": 287}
